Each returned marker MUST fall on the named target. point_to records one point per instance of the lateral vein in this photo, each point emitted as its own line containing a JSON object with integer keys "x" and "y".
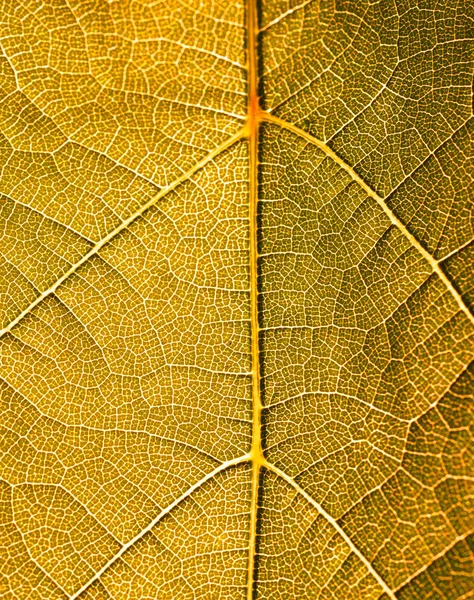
{"x": 435, "y": 265}
{"x": 383, "y": 584}
{"x": 163, "y": 513}
{"x": 184, "y": 177}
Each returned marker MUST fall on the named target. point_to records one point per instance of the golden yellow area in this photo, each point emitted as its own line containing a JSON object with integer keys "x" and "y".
{"x": 236, "y": 300}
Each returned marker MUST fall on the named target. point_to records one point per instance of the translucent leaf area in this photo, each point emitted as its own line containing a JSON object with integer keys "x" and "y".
{"x": 236, "y": 300}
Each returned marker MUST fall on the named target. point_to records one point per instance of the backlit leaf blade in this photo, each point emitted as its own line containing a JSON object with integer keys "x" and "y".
{"x": 237, "y": 343}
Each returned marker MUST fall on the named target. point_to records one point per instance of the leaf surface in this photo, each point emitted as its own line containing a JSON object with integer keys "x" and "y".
{"x": 236, "y": 298}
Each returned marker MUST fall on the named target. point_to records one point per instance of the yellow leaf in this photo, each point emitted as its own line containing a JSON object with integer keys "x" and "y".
{"x": 236, "y": 295}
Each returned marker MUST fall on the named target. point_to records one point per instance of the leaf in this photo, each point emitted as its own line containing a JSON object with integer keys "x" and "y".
{"x": 236, "y": 297}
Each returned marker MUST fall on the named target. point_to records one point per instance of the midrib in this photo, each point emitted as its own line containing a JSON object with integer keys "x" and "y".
{"x": 251, "y": 129}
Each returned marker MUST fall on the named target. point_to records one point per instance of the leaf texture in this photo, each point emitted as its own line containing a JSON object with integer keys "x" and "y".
{"x": 236, "y": 256}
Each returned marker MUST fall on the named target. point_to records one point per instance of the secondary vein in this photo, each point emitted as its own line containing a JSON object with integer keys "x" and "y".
{"x": 232, "y": 140}
{"x": 435, "y": 265}
{"x": 159, "y": 517}
{"x": 383, "y": 584}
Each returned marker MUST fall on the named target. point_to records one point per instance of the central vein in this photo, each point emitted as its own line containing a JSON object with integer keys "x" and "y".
{"x": 252, "y": 126}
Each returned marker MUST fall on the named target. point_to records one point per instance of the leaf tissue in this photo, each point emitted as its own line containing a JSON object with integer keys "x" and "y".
{"x": 236, "y": 299}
